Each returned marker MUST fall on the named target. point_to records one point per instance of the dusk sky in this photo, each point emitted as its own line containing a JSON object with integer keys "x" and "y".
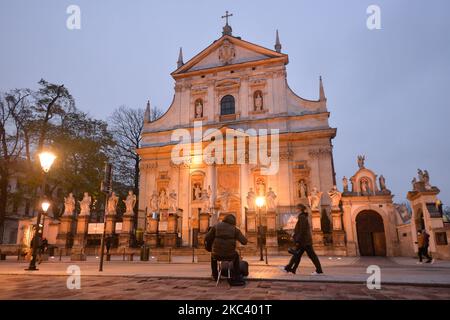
{"x": 387, "y": 89}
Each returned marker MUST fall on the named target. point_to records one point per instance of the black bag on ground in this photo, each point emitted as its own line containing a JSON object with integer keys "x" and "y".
{"x": 243, "y": 266}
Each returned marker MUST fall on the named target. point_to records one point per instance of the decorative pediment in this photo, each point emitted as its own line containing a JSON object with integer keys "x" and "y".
{"x": 226, "y": 51}
{"x": 227, "y": 84}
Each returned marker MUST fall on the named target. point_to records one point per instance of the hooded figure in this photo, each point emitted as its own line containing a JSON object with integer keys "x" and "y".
{"x": 221, "y": 240}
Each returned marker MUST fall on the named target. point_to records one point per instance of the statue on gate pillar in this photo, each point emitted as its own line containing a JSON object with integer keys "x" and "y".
{"x": 271, "y": 196}
{"x": 85, "y": 205}
{"x": 251, "y": 200}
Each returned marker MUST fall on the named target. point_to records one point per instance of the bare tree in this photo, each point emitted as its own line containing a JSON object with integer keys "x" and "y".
{"x": 13, "y": 107}
{"x": 127, "y": 125}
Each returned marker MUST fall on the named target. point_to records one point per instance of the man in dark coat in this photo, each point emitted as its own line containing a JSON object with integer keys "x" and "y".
{"x": 303, "y": 242}
{"x": 221, "y": 239}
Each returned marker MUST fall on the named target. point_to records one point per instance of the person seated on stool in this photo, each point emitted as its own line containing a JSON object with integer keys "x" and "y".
{"x": 221, "y": 241}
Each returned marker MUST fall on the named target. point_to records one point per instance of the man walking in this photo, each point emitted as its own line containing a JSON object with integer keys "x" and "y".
{"x": 303, "y": 242}
{"x": 221, "y": 240}
{"x": 423, "y": 241}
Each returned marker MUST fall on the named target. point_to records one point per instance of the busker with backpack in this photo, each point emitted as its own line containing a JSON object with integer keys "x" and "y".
{"x": 303, "y": 242}
{"x": 221, "y": 242}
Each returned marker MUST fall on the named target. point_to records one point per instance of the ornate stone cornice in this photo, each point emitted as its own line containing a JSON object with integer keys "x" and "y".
{"x": 320, "y": 152}
{"x": 286, "y": 155}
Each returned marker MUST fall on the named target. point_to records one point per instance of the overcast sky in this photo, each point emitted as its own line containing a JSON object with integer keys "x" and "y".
{"x": 387, "y": 89}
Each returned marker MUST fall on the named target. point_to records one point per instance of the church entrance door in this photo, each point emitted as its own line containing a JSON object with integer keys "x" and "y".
{"x": 371, "y": 236}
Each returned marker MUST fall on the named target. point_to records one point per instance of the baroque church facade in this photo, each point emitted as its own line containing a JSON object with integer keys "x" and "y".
{"x": 237, "y": 88}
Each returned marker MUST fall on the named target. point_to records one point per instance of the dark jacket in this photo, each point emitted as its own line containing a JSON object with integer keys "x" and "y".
{"x": 426, "y": 239}
{"x": 223, "y": 237}
{"x": 302, "y": 231}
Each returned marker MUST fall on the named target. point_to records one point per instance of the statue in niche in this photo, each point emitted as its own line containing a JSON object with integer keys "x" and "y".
{"x": 271, "y": 196}
{"x": 163, "y": 199}
{"x": 112, "y": 203}
{"x": 130, "y": 202}
{"x": 302, "y": 193}
{"x": 251, "y": 200}
{"x": 365, "y": 189}
{"x": 199, "y": 108}
{"x": 85, "y": 205}
{"x": 314, "y": 199}
{"x": 258, "y": 101}
{"x": 154, "y": 202}
{"x": 173, "y": 201}
{"x": 345, "y": 184}
{"x": 69, "y": 205}
{"x": 197, "y": 191}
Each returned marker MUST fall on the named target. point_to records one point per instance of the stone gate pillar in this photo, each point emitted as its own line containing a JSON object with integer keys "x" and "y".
{"x": 425, "y": 205}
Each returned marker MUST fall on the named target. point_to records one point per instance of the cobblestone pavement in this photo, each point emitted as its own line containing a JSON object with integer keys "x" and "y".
{"x": 107, "y": 287}
{"x": 346, "y": 270}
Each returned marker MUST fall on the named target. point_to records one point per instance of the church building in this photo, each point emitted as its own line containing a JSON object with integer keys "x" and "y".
{"x": 237, "y": 140}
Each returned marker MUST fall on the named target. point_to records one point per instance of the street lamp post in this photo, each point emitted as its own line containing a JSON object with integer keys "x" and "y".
{"x": 260, "y": 202}
{"x": 46, "y": 159}
{"x": 106, "y": 188}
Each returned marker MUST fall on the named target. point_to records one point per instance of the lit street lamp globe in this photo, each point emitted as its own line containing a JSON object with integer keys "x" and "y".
{"x": 260, "y": 201}
{"x": 46, "y": 158}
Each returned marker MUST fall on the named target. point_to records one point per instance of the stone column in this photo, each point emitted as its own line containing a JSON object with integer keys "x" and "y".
{"x": 127, "y": 229}
{"x": 338, "y": 234}
{"x": 151, "y": 232}
{"x": 271, "y": 234}
{"x": 65, "y": 231}
{"x": 110, "y": 224}
{"x": 252, "y": 228}
{"x": 317, "y": 233}
{"x": 80, "y": 239}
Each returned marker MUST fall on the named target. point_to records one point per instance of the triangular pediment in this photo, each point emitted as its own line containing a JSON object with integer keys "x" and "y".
{"x": 228, "y": 51}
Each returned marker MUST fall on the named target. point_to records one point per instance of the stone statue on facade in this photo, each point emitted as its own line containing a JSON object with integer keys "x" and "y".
{"x": 426, "y": 179}
{"x": 258, "y": 102}
{"x": 302, "y": 189}
{"x": 335, "y": 196}
{"x": 112, "y": 204}
{"x": 345, "y": 184}
{"x": 198, "y": 109}
{"x": 420, "y": 175}
{"x": 270, "y": 197}
{"x": 314, "y": 199}
{"x": 154, "y": 202}
{"x": 365, "y": 187}
{"x": 130, "y": 202}
{"x": 251, "y": 200}
{"x": 361, "y": 160}
{"x": 205, "y": 201}
{"x": 85, "y": 205}
{"x": 197, "y": 192}
{"x": 69, "y": 205}
{"x": 173, "y": 201}
{"x": 163, "y": 199}
{"x": 382, "y": 183}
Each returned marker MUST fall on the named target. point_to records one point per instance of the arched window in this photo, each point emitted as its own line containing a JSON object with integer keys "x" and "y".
{"x": 227, "y": 105}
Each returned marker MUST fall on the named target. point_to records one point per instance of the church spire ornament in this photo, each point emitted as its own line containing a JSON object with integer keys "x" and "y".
{"x": 277, "y": 43}
{"x": 147, "y": 113}
{"x": 321, "y": 90}
{"x": 227, "y": 30}
{"x": 180, "y": 62}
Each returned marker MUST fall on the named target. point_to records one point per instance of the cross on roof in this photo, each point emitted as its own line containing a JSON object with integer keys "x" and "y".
{"x": 226, "y": 16}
